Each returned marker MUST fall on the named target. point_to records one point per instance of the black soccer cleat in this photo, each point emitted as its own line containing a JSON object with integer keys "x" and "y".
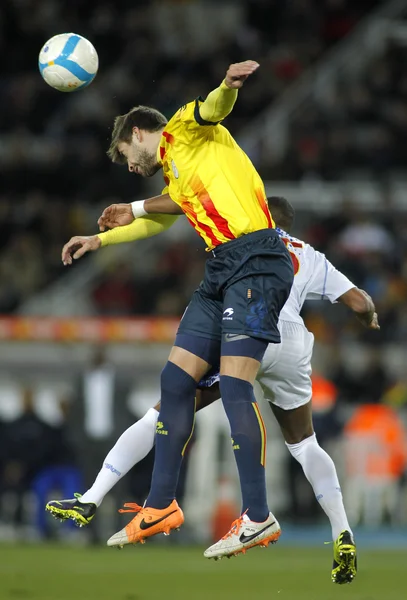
{"x": 345, "y": 562}
{"x": 81, "y": 513}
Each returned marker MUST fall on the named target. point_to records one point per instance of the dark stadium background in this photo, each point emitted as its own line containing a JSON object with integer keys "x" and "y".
{"x": 325, "y": 122}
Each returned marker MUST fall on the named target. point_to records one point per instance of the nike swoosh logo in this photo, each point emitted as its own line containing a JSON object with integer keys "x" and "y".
{"x": 144, "y": 525}
{"x": 234, "y": 337}
{"x": 248, "y": 538}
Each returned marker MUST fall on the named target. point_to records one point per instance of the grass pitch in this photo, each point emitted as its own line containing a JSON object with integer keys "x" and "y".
{"x": 52, "y": 572}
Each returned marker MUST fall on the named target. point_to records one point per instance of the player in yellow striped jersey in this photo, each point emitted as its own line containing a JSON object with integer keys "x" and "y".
{"x": 208, "y": 175}
{"x": 233, "y": 314}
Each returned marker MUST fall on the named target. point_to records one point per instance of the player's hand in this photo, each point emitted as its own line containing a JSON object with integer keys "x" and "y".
{"x": 374, "y": 323}
{"x": 78, "y": 246}
{"x": 237, "y": 73}
{"x": 369, "y": 320}
{"x": 115, "y": 215}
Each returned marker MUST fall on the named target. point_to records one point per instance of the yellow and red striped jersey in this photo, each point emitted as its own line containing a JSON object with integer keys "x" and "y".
{"x": 210, "y": 177}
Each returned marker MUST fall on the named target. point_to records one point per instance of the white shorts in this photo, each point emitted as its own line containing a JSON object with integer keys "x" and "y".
{"x": 285, "y": 372}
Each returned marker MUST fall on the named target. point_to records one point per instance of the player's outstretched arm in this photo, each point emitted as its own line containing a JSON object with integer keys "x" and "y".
{"x": 78, "y": 246}
{"x": 139, "y": 229}
{"x": 219, "y": 102}
{"x": 362, "y": 305}
{"x": 117, "y": 215}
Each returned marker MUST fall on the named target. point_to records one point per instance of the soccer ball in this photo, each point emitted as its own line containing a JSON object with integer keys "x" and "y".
{"x": 68, "y": 62}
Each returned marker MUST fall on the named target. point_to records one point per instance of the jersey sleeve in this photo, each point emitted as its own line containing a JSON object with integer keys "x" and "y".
{"x": 201, "y": 114}
{"x": 191, "y": 121}
{"x": 140, "y": 229}
{"x": 327, "y": 283}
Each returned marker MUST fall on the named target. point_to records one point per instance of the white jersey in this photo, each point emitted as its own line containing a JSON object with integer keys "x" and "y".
{"x": 315, "y": 278}
{"x": 285, "y": 371}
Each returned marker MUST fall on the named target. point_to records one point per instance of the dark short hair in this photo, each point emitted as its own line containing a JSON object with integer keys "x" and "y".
{"x": 282, "y": 211}
{"x": 143, "y": 117}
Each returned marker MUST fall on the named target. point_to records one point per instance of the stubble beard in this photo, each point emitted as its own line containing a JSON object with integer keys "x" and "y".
{"x": 148, "y": 164}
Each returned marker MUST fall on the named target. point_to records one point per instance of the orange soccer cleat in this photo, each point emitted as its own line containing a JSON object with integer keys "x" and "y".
{"x": 148, "y": 522}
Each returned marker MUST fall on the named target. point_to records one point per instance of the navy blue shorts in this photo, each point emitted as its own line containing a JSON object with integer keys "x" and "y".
{"x": 247, "y": 282}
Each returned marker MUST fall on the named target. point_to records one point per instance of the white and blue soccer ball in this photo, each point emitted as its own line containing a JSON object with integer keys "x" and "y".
{"x": 68, "y": 62}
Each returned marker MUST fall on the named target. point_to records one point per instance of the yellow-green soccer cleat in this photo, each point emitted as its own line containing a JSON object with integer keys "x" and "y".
{"x": 81, "y": 513}
{"x": 345, "y": 561}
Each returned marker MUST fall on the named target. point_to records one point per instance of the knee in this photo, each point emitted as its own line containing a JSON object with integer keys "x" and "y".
{"x": 234, "y": 390}
{"x": 176, "y": 381}
{"x": 297, "y": 449}
{"x": 296, "y": 436}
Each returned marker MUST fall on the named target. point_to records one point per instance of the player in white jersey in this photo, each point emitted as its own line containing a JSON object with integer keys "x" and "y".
{"x": 285, "y": 377}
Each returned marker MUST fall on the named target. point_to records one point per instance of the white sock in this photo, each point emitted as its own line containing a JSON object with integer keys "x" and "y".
{"x": 320, "y": 471}
{"x": 131, "y": 447}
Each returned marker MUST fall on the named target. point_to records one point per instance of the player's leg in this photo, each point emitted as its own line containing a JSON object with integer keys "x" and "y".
{"x": 318, "y": 466}
{"x": 190, "y": 358}
{"x": 286, "y": 383}
{"x": 179, "y": 380}
{"x": 252, "y": 305}
{"x": 237, "y": 377}
{"x": 131, "y": 447}
{"x": 319, "y": 469}
{"x": 175, "y": 426}
{"x": 256, "y": 525}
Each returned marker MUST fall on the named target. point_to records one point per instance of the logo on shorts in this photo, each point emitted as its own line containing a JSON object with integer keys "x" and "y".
{"x": 234, "y": 337}
{"x": 228, "y": 314}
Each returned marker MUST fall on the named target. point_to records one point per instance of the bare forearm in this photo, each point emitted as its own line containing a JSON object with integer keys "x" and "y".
{"x": 162, "y": 205}
{"x": 362, "y": 305}
{"x": 358, "y": 301}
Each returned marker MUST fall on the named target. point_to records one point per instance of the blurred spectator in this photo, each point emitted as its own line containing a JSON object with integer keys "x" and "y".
{"x": 98, "y": 413}
{"x": 34, "y": 456}
{"x": 356, "y": 125}
{"x": 61, "y": 474}
{"x": 376, "y": 459}
{"x": 365, "y": 386}
{"x": 363, "y": 237}
{"x": 116, "y": 293}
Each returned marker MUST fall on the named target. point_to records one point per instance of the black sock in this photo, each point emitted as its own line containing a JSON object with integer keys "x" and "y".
{"x": 174, "y": 429}
{"x": 249, "y": 444}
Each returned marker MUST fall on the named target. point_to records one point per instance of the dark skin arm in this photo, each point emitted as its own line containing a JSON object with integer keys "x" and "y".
{"x": 362, "y": 306}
